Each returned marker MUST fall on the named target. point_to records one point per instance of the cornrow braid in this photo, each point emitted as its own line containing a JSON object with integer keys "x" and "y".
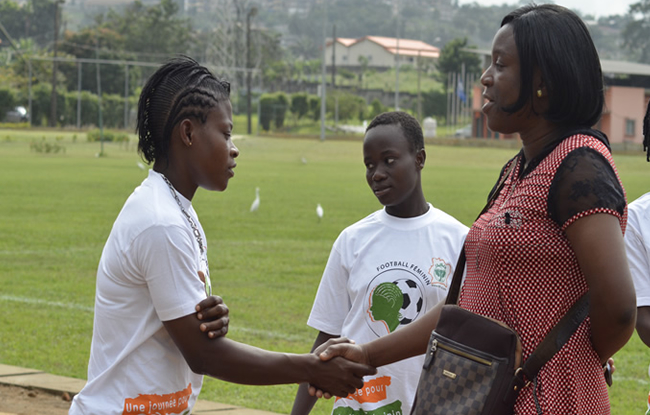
{"x": 188, "y": 104}
{"x": 179, "y": 89}
{"x": 646, "y": 132}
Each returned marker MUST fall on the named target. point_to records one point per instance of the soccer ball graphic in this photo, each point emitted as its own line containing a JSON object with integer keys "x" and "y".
{"x": 413, "y": 300}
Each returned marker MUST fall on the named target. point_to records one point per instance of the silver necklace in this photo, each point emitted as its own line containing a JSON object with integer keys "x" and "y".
{"x": 197, "y": 235}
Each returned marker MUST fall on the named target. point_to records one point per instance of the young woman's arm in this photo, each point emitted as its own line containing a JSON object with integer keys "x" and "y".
{"x": 412, "y": 340}
{"x": 235, "y": 362}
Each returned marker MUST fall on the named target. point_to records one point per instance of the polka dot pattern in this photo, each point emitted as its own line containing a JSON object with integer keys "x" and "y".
{"x": 521, "y": 270}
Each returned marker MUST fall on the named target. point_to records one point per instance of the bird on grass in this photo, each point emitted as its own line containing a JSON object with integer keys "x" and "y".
{"x": 319, "y": 212}
{"x": 256, "y": 202}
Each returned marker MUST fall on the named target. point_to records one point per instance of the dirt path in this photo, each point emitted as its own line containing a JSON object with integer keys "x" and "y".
{"x": 23, "y": 401}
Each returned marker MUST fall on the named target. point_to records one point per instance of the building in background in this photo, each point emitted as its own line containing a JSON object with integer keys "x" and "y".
{"x": 380, "y": 52}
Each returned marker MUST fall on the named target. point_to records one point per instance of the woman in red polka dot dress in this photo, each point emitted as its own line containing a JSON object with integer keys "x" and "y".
{"x": 555, "y": 231}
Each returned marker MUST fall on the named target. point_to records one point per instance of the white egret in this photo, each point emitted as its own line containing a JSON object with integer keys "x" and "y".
{"x": 256, "y": 202}
{"x": 319, "y": 211}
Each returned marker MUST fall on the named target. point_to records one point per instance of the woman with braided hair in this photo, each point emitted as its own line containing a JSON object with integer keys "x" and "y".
{"x": 148, "y": 353}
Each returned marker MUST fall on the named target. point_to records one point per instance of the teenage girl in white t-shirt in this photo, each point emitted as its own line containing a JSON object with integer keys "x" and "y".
{"x": 637, "y": 245}
{"x": 149, "y": 353}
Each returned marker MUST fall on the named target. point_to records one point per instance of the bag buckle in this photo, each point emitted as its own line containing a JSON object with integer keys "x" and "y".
{"x": 519, "y": 382}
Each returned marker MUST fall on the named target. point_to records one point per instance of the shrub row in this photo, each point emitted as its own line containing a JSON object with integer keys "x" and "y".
{"x": 69, "y": 105}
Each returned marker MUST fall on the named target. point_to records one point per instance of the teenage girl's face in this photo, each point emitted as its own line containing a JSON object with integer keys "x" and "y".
{"x": 214, "y": 152}
{"x": 502, "y": 85}
{"x": 392, "y": 168}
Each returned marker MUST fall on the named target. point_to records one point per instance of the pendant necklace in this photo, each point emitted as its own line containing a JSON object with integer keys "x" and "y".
{"x": 197, "y": 235}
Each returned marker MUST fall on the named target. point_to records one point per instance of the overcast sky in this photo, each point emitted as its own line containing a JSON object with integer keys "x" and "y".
{"x": 598, "y": 8}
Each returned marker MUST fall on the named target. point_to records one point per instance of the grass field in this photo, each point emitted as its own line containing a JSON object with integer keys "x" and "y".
{"x": 57, "y": 211}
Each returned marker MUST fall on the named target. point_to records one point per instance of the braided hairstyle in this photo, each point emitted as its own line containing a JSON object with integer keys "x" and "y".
{"x": 410, "y": 127}
{"x": 646, "y": 132}
{"x": 179, "y": 89}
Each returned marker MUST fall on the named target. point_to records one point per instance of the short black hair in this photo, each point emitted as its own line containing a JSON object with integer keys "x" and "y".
{"x": 180, "y": 88}
{"x": 410, "y": 127}
{"x": 555, "y": 40}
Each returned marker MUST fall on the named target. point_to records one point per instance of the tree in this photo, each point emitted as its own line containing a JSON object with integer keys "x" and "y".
{"x": 636, "y": 35}
{"x": 452, "y": 57}
{"x": 12, "y": 17}
{"x": 32, "y": 19}
{"x": 102, "y": 43}
{"x": 150, "y": 31}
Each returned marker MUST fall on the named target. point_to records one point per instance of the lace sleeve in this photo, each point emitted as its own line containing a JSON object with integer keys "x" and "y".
{"x": 585, "y": 182}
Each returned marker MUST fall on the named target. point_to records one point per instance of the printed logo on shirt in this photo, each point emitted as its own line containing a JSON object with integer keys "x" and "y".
{"x": 372, "y": 391}
{"x": 440, "y": 271}
{"x": 168, "y": 404}
{"x": 395, "y": 297}
{"x": 394, "y": 408}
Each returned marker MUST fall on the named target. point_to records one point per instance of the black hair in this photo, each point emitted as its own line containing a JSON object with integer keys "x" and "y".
{"x": 646, "y": 132}
{"x": 555, "y": 40}
{"x": 410, "y": 127}
{"x": 179, "y": 89}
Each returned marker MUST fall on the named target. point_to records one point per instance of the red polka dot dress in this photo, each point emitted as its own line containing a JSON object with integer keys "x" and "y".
{"x": 521, "y": 269}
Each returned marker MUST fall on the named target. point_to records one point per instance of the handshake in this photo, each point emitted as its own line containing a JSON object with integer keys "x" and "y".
{"x": 335, "y": 368}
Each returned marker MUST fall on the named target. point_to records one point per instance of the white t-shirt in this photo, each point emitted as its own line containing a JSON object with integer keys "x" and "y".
{"x": 637, "y": 245}
{"x": 147, "y": 274}
{"x": 384, "y": 272}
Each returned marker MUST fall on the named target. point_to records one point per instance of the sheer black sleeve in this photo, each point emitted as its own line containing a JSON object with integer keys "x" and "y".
{"x": 585, "y": 181}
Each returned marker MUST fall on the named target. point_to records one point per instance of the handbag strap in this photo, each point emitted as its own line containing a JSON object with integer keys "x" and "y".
{"x": 558, "y": 335}
{"x": 556, "y": 338}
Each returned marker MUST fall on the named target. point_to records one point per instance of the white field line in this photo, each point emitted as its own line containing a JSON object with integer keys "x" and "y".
{"x": 41, "y": 302}
{"x": 232, "y": 329}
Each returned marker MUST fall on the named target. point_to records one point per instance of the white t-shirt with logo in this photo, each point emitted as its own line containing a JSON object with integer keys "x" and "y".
{"x": 147, "y": 274}
{"x": 637, "y": 245}
{"x": 384, "y": 272}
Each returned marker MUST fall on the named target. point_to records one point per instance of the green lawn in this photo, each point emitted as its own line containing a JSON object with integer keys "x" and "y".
{"x": 57, "y": 211}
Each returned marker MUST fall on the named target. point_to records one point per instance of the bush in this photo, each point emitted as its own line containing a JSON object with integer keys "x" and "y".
{"x": 109, "y": 136}
{"x": 280, "y": 109}
{"x": 266, "y": 111}
{"x": 349, "y": 106}
{"x": 299, "y": 104}
{"x": 376, "y": 108}
{"x": 273, "y": 107}
{"x": 434, "y": 104}
{"x": 7, "y": 101}
{"x": 45, "y": 147}
{"x": 314, "y": 107}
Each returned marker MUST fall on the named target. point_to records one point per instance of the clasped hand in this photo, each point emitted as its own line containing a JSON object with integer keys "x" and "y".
{"x": 343, "y": 367}
{"x": 338, "y": 347}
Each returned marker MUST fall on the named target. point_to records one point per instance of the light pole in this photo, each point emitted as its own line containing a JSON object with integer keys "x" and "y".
{"x": 57, "y": 17}
{"x": 252, "y": 12}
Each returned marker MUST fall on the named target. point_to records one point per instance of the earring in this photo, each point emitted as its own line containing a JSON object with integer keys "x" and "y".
{"x": 539, "y": 93}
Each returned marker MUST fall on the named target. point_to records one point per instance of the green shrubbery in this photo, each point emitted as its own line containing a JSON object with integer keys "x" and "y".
{"x": 44, "y": 146}
{"x": 109, "y": 136}
{"x": 69, "y": 104}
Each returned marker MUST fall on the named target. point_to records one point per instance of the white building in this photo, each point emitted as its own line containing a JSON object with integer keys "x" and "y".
{"x": 381, "y": 52}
